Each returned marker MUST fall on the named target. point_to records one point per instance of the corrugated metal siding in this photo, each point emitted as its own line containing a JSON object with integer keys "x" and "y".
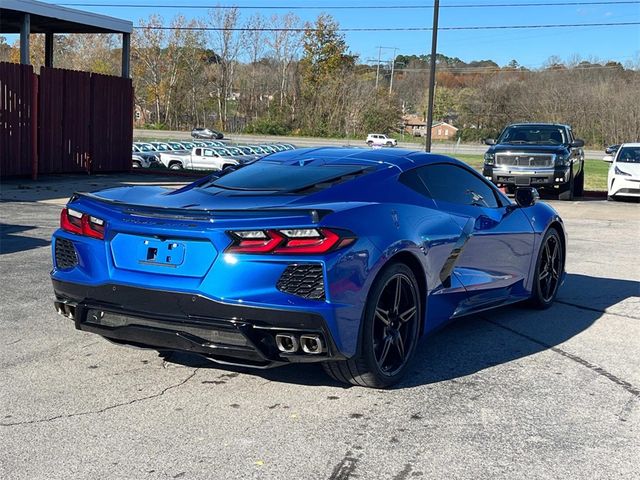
{"x": 16, "y": 140}
{"x": 85, "y": 121}
{"x": 65, "y": 113}
{"x": 111, "y": 122}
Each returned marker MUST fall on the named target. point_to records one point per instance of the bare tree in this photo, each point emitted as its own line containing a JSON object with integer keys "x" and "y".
{"x": 226, "y": 42}
{"x": 285, "y": 42}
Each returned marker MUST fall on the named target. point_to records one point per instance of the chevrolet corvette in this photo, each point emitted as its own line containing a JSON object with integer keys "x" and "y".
{"x": 343, "y": 256}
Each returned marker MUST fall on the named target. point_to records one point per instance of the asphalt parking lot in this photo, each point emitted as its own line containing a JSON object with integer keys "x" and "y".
{"x": 509, "y": 394}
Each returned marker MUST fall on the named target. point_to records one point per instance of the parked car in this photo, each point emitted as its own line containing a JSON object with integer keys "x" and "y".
{"x": 145, "y": 152}
{"x": 162, "y": 146}
{"x": 280, "y": 262}
{"x": 206, "y": 133}
{"x": 623, "y": 179}
{"x": 145, "y": 146}
{"x": 542, "y": 155}
{"x": 213, "y": 143}
{"x": 176, "y": 146}
{"x": 199, "y": 158}
{"x": 612, "y": 149}
{"x": 250, "y": 150}
{"x": 138, "y": 161}
{"x": 187, "y": 145}
{"x": 380, "y": 140}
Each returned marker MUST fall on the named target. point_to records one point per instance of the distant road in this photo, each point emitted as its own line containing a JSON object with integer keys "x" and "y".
{"x": 450, "y": 149}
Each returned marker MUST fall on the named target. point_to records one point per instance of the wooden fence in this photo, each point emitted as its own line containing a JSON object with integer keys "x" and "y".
{"x": 63, "y": 121}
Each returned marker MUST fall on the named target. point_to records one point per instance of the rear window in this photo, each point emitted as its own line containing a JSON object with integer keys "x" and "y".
{"x": 269, "y": 176}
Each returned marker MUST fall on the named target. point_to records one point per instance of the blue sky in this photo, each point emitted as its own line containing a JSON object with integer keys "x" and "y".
{"x": 529, "y": 47}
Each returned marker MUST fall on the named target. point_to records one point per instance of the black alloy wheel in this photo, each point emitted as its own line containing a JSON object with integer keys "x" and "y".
{"x": 390, "y": 332}
{"x": 549, "y": 270}
{"x": 394, "y": 327}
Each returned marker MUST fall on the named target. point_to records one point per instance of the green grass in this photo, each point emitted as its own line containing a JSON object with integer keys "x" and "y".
{"x": 595, "y": 171}
{"x": 595, "y": 175}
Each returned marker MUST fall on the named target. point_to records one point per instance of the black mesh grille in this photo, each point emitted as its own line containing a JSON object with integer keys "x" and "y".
{"x": 65, "y": 254}
{"x": 303, "y": 280}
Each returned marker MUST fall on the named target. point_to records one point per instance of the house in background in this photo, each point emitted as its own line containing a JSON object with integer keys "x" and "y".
{"x": 416, "y": 126}
{"x": 443, "y": 131}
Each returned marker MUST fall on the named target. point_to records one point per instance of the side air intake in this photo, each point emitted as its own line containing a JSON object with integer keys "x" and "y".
{"x": 305, "y": 281}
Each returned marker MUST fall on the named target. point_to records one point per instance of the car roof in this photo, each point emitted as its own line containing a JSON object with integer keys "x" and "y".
{"x": 534, "y": 124}
{"x": 632, "y": 144}
{"x": 383, "y": 158}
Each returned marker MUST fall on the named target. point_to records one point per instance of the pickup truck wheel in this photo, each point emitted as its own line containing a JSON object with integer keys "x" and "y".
{"x": 175, "y": 166}
{"x": 578, "y": 187}
{"x": 567, "y": 190}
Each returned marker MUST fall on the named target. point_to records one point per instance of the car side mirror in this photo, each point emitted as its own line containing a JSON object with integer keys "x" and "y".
{"x": 526, "y": 196}
{"x": 489, "y": 141}
{"x": 577, "y": 143}
{"x": 608, "y": 158}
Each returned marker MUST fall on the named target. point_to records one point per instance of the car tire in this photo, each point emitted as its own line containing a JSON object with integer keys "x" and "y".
{"x": 389, "y": 144}
{"x": 389, "y": 332}
{"x": 175, "y": 166}
{"x": 136, "y": 164}
{"x": 370, "y": 143}
{"x": 549, "y": 270}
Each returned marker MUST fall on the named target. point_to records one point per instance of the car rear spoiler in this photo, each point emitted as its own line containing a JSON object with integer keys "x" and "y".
{"x": 315, "y": 215}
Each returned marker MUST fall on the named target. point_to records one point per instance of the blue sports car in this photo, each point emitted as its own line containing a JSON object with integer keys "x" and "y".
{"x": 336, "y": 255}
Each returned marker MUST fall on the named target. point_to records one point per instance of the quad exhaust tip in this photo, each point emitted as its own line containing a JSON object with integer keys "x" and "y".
{"x": 311, "y": 344}
{"x": 287, "y": 343}
{"x": 65, "y": 310}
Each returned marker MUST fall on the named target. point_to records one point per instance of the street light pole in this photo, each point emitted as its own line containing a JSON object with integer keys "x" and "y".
{"x": 432, "y": 77}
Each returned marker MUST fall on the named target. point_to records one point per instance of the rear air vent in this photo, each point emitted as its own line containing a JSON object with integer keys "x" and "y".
{"x": 305, "y": 281}
{"x": 66, "y": 256}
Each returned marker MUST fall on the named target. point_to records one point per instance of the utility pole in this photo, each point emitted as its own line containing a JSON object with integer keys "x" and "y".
{"x": 393, "y": 65}
{"x": 432, "y": 78}
{"x": 378, "y": 69}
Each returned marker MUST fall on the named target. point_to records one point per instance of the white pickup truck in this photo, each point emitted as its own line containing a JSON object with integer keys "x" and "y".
{"x": 199, "y": 158}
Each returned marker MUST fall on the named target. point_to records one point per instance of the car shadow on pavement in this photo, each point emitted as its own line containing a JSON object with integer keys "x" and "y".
{"x": 10, "y": 242}
{"x": 482, "y": 341}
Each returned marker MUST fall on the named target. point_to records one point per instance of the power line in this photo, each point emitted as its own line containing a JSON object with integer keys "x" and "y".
{"x": 389, "y": 29}
{"x": 352, "y": 7}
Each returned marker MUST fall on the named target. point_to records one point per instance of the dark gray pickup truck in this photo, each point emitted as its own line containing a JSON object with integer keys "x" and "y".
{"x": 542, "y": 155}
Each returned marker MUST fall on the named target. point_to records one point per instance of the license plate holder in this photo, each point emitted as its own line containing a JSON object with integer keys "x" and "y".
{"x": 161, "y": 253}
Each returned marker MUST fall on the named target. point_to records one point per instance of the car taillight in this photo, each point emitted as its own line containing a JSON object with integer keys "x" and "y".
{"x": 71, "y": 220}
{"x": 292, "y": 240}
{"x": 81, "y": 223}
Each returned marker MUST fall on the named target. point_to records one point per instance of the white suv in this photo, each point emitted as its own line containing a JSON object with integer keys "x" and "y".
{"x": 379, "y": 140}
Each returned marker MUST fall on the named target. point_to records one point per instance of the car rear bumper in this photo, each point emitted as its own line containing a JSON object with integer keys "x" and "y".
{"x": 543, "y": 177}
{"x": 165, "y": 320}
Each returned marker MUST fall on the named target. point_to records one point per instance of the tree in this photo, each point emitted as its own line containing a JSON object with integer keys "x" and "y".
{"x": 226, "y": 42}
{"x": 324, "y": 52}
